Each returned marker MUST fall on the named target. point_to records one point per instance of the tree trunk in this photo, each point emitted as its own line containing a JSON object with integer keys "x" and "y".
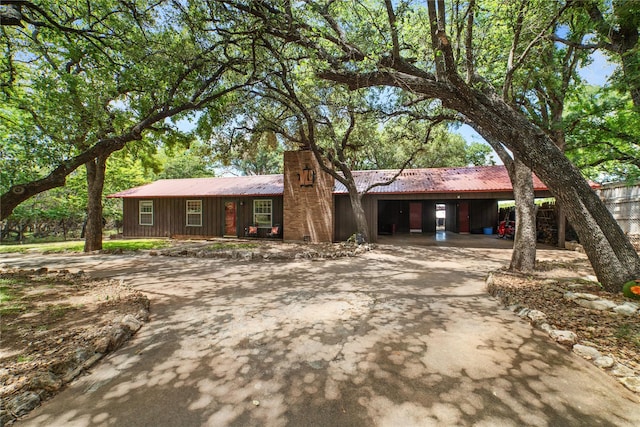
{"x": 95, "y": 183}
{"x": 362, "y": 225}
{"x": 523, "y": 257}
{"x": 612, "y": 256}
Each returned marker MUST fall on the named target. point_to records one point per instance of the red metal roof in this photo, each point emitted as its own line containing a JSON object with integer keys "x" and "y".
{"x": 436, "y": 180}
{"x": 258, "y": 185}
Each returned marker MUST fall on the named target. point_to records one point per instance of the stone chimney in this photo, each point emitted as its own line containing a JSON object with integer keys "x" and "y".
{"x": 308, "y": 199}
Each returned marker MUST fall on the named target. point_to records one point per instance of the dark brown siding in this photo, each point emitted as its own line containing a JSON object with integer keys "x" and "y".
{"x": 169, "y": 217}
{"x": 345, "y": 225}
{"x": 482, "y": 213}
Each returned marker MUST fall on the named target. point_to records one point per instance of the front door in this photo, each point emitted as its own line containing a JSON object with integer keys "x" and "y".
{"x": 415, "y": 217}
{"x": 463, "y": 217}
{"x": 230, "y": 218}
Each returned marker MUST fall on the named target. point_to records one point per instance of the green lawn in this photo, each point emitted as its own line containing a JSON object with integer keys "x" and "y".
{"x": 78, "y": 246}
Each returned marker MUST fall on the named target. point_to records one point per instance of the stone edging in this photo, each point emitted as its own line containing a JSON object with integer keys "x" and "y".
{"x": 624, "y": 374}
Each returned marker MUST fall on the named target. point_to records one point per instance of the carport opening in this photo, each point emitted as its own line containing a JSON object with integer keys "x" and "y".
{"x": 441, "y": 216}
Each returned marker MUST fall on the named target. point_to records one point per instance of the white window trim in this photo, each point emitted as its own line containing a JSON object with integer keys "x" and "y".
{"x": 142, "y": 203}
{"x": 262, "y": 213}
{"x": 198, "y": 212}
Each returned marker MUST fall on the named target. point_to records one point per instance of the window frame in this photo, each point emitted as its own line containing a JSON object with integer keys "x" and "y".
{"x": 263, "y": 224}
{"x": 190, "y": 213}
{"x": 141, "y": 205}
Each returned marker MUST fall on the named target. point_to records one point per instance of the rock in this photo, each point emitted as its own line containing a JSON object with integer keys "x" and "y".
{"x": 604, "y": 362}
{"x": 92, "y": 360}
{"x": 130, "y": 322}
{"x": 24, "y": 403}
{"x": 536, "y": 316}
{"x": 571, "y": 296}
{"x": 601, "y": 304}
{"x": 489, "y": 280}
{"x": 46, "y": 381}
{"x": 549, "y": 282}
{"x": 626, "y": 309}
{"x": 82, "y": 354}
{"x": 574, "y": 246}
{"x": 5, "y": 417}
{"x": 632, "y": 383}
{"x": 101, "y": 345}
{"x": 523, "y": 312}
{"x": 586, "y": 352}
{"x": 142, "y": 315}
{"x": 563, "y": 337}
{"x": 117, "y": 337}
{"x": 620, "y": 370}
{"x": 546, "y": 328}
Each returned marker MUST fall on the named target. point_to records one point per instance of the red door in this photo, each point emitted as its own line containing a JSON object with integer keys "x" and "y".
{"x": 463, "y": 217}
{"x": 230, "y": 215}
{"x": 415, "y": 217}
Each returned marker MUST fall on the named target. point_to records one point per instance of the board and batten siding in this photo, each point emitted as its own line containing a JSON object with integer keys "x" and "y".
{"x": 170, "y": 216}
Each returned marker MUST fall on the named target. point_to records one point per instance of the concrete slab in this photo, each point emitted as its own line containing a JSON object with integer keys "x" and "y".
{"x": 402, "y": 336}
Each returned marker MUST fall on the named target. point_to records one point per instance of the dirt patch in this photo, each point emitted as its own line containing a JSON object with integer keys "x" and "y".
{"x": 54, "y": 325}
{"x": 549, "y": 290}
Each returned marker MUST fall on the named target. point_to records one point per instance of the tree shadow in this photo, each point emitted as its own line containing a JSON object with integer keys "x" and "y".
{"x": 384, "y": 339}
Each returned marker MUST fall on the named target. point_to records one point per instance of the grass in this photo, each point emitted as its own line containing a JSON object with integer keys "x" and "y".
{"x": 9, "y": 303}
{"x": 629, "y": 333}
{"x": 78, "y": 246}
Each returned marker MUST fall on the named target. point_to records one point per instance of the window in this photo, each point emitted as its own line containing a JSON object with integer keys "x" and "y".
{"x": 262, "y": 213}
{"x": 146, "y": 212}
{"x": 194, "y": 213}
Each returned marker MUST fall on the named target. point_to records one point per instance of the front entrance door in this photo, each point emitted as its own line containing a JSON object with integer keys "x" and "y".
{"x": 415, "y": 217}
{"x": 463, "y": 217}
{"x": 230, "y": 218}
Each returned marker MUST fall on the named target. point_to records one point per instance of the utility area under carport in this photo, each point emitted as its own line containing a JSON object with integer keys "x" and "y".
{"x": 420, "y": 216}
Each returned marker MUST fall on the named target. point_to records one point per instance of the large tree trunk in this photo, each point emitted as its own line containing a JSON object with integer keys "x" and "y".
{"x": 523, "y": 257}
{"x": 612, "y": 256}
{"x": 95, "y": 183}
{"x": 362, "y": 225}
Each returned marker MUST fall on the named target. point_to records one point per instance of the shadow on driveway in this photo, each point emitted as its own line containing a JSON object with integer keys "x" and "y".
{"x": 402, "y": 336}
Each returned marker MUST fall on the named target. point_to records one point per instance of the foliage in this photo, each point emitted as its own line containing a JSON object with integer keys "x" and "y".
{"x": 604, "y": 135}
{"x": 83, "y": 79}
{"x": 195, "y": 161}
{"x": 631, "y": 290}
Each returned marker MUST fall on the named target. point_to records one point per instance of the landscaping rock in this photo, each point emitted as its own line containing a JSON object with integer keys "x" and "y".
{"x": 536, "y": 316}
{"x": 24, "y": 403}
{"x": 586, "y": 352}
{"x": 604, "y": 362}
{"x": 46, "y": 381}
{"x": 620, "y": 370}
{"x": 131, "y": 323}
{"x": 632, "y": 383}
{"x": 564, "y": 337}
{"x": 546, "y": 328}
{"x": 601, "y": 304}
{"x": 626, "y": 309}
{"x": 572, "y": 296}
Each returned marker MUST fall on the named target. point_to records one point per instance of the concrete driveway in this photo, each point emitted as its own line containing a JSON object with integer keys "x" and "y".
{"x": 403, "y": 336}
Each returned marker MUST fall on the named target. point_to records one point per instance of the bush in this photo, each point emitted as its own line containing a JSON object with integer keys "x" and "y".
{"x": 632, "y": 289}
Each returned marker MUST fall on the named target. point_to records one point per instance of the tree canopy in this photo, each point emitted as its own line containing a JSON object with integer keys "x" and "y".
{"x": 80, "y": 81}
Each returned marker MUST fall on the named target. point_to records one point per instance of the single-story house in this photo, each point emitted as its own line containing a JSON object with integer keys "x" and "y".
{"x": 308, "y": 204}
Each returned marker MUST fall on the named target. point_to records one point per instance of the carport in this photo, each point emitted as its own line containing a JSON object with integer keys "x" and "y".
{"x": 468, "y": 196}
